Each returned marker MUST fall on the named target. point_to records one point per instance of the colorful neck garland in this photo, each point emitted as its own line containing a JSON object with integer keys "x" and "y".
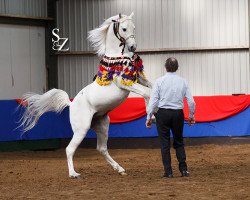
{"x": 111, "y": 67}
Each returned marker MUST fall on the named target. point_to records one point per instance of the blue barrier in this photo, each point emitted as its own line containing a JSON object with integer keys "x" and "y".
{"x": 52, "y": 125}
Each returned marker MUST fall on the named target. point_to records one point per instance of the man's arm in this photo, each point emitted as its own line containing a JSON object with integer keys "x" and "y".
{"x": 191, "y": 105}
{"x": 154, "y": 100}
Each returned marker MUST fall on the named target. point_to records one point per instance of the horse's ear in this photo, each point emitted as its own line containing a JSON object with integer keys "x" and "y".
{"x": 131, "y": 15}
{"x": 120, "y": 15}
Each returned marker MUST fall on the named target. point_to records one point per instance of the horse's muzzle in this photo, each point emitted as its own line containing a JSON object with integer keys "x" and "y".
{"x": 132, "y": 48}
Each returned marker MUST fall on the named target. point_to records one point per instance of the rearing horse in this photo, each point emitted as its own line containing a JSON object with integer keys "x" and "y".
{"x": 120, "y": 73}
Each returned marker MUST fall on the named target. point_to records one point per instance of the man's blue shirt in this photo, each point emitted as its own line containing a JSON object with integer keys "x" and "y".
{"x": 169, "y": 92}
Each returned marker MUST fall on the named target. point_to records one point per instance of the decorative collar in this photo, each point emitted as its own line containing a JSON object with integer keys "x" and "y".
{"x": 130, "y": 69}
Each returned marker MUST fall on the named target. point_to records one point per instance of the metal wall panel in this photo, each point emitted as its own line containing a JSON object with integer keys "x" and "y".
{"x": 209, "y": 73}
{"x": 160, "y": 23}
{"x": 75, "y": 72}
{"x": 34, "y": 8}
{"x": 165, "y": 24}
{"x": 22, "y": 60}
{"x": 2, "y": 6}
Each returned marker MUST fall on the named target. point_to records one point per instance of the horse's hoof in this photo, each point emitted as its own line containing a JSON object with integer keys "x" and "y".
{"x": 123, "y": 173}
{"x": 75, "y": 176}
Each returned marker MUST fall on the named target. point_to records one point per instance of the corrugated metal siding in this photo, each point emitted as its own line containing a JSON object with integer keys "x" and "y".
{"x": 165, "y": 24}
{"x": 209, "y": 73}
{"x": 34, "y": 8}
{"x": 161, "y": 23}
{"x": 75, "y": 72}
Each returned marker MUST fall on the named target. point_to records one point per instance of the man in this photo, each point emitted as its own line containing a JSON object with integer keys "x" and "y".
{"x": 168, "y": 94}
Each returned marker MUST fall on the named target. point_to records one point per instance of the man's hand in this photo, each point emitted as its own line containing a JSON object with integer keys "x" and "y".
{"x": 191, "y": 121}
{"x": 149, "y": 123}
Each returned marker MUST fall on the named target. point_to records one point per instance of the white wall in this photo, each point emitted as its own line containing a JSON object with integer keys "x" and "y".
{"x": 22, "y": 60}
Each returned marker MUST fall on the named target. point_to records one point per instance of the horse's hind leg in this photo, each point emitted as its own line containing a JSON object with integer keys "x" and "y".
{"x": 70, "y": 151}
{"x": 101, "y": 126}
{"x": 80, "y": 123}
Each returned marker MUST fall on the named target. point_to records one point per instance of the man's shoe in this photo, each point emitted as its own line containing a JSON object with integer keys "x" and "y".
{"x": 184, "y": 173}
{"x": 168, "y": 176}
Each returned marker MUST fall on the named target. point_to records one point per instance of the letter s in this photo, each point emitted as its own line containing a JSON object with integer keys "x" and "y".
{"x": 56, "y": 35}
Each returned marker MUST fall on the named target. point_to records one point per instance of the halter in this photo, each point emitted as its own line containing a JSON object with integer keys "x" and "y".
{"x": 119, "y": 37}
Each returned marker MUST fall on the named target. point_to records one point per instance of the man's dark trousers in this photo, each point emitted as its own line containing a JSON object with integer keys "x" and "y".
{"x": 166, "y": 120}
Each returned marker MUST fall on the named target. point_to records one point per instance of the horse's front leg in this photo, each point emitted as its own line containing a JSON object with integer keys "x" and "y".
{"x": 138, "y": 89}
{"x": 145, "y": 82}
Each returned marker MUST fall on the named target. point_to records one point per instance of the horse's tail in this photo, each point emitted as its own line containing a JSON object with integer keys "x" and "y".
{"x": 54, "y": 100}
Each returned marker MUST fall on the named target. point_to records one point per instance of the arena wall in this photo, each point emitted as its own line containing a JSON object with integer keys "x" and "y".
{"x": 35, "y": 8}
{"x": 22, "y": 65}
{"x": 22, "y": 47}
{"x": 209, "y": 38}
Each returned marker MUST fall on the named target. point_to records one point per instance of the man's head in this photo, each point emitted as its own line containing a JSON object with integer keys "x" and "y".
{"x": 171, "y": 64}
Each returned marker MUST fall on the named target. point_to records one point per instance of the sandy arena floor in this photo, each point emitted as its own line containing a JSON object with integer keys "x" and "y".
{"x": 217, "y": 172}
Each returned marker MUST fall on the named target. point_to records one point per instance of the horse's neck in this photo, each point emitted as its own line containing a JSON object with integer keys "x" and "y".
{"x": 113, "y": 48}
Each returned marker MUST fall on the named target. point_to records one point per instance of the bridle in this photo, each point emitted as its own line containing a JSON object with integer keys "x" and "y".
{"x": 117, "y": 34}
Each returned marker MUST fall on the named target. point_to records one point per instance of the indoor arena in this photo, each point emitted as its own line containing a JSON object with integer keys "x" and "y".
{"x": 124, "y": 99}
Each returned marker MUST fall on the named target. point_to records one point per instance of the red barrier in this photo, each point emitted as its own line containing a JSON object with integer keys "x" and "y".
{"x": 208, "y": 108}
{"x": 213, "y": 108}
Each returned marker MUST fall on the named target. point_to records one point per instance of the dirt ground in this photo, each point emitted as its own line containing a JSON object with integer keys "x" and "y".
{"x": 217, "y": 172}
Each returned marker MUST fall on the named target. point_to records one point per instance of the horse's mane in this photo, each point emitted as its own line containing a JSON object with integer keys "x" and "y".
{"x": 97, "y": 36}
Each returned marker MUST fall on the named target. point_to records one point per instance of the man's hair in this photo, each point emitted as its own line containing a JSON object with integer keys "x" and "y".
{"x": 171, "y": 64}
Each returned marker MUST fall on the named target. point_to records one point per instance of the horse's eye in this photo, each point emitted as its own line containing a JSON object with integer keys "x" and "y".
{"x": 124, "y": 29}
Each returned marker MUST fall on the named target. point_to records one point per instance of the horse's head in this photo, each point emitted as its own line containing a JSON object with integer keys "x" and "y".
{"x": 115, "y": 33}
{"x": 125, "y": 29}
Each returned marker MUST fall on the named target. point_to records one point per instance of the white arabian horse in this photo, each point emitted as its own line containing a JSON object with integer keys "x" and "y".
{"x": 115, "y": 40}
